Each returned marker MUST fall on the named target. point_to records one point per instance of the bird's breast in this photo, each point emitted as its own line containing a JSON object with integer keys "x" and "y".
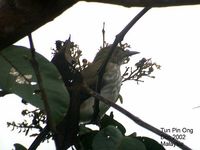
{"x": 110, "y": 89}
{"x": 111, "y": 82}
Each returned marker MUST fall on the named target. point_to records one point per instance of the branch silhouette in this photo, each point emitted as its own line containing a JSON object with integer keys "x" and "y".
{"x": 118, "y": 39}
{"x": 135, "y": 118}
{"x": 20, "y": 18}
{"x": 35, "y": 66}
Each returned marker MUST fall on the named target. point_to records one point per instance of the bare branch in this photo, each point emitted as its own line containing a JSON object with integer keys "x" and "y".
{"x": 151, "y": 3}
{"x": 19, "y": 18}
{"x": 103, "y": 34}
{"x": 118, "y": 39}
{"x": 136, "y": 119}
{"x": 39, "y": 138}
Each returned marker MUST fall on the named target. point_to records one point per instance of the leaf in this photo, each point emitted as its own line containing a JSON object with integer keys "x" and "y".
{"x": 84, "y": 130}
{"x": 151, "y": 144}
{"x": 120, "y": 98}
{"x": 134, "y": 134}
{"x": 19, "y": 147}
{"x": 86, "y": 136}
{"x": 17, "y": 76}
{"x": 108, "y": 120}
{"x": 111, "y": 138}
{"x": 128, "y": 143}
{"x": 87, "y": 140}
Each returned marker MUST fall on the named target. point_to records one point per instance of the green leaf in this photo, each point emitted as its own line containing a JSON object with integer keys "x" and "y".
{"x": 86, "y": 136}
{"x": 19, "y": 147}
{"x": 109, "y": 120}
{"x": 128, "y": 143}
{"x": 87, "y": 140}
{"x": 84, "y": 130}
{"x": 151, "y": 144}
{"x": 111, "y": 138}
{"x": 17, "y": 76}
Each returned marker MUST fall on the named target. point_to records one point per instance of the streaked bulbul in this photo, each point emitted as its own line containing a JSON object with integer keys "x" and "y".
{"x": 111, "y": 81}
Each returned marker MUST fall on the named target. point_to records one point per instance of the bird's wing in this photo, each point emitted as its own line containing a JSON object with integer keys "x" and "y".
{"x": 90, "y": 75}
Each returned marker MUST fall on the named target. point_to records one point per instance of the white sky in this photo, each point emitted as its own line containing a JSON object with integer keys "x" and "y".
{"x": 170, "y": 36}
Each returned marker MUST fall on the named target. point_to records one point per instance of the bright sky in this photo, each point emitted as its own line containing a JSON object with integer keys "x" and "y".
{"x": 170, "y": 36}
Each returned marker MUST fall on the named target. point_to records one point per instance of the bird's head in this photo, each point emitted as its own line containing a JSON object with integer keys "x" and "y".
{"x": 118, "y": 56}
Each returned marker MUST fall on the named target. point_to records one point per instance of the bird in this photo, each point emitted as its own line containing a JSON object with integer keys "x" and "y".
{"x": 111, "y": 81}
{"x": 111, "y": 84}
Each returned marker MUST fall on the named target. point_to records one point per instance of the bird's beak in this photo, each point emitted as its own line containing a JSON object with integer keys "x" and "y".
{"x": 130, "y": 53}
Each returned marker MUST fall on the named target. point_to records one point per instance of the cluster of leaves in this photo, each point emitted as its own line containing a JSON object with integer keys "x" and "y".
{"x": 111, "y": 135}
{"x": 143, "y": 68}
{"x": 38, "y": 120}
{"x": 72, "y": 53}
{"x": 19, "y": 77}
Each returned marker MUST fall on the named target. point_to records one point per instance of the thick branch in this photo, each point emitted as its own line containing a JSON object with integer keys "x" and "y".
{"x": 136, "y": 119}
{"x": 21, "y": 17}
{"x": 150, "y": 3}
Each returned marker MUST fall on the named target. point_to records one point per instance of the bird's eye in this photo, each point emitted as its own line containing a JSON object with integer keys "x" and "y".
{"x": 126, "y": 60}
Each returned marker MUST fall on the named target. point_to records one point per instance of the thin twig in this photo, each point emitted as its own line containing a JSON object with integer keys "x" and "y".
{"x": 39, "y": 138}
{"x": 136, "y": 119}
{"x": 103, "y": 34}
{"x": 44, "y": 97}
{"x": 118, "y": 39}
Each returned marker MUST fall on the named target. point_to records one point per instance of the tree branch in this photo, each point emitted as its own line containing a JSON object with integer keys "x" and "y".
{"x": 44, "y": 97}
{"x": 39, "y": 138}
{"x": 136, "y": 119}
{"x": 118, "y": 39}
{"x": 21, "y": 17}
{"x": 150, "y": 3}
